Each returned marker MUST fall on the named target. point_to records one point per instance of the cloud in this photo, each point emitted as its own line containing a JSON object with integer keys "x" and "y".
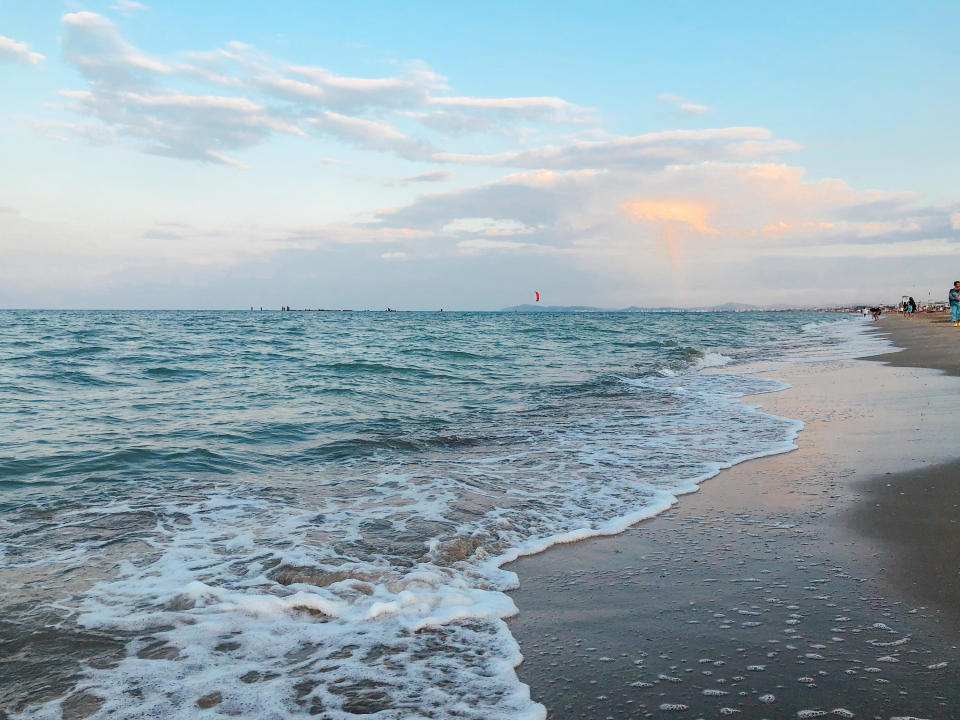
{"x": 130, "y": 94}
{"x": 93, "y": 44}
{"x": 456, "y": 123}
{"x": 649, "y": 151}
{"x": 670, "y": 212}
{"x": 541, "y": 109}
{"x": 129, "y": 6}
{"x": 344, "y": 93}
{"x": 15, "y": 51}
{"x": 428, "y": 177}
{"x": 372, "y": 135}
{"x": 486, "y": 226}
{"x": 197, "y": 127}
{"x": 682, "y": 104}
{"x": 707, "y": 212}
{"x": 137, "y": 95}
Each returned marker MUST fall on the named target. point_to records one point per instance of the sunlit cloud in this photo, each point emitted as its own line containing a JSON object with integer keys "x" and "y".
{"x": 682, "y": 104}
{"x": 673, "y": 212}
{"x": 129, "y": 6}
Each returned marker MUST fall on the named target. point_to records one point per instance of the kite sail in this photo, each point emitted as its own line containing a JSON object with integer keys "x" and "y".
{"x": 537, "y": 293}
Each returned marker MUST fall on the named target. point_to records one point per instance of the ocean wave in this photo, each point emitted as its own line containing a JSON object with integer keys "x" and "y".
{"x": 173, "y": 373}
{"x": 374, "y": 368}
{"x": 130, "y": 461}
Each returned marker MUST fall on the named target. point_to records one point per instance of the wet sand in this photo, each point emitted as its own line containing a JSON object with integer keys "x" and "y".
{"x": 818, "y": 581}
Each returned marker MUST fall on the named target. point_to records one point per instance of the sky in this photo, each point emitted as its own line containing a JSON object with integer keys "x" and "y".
{"x": 175, "y": 154}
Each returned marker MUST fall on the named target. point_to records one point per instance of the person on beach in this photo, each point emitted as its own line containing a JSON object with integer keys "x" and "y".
{"x": 954, "y": 297}
{"x": 875, "y": 312}
{"x": 911, "y": 307}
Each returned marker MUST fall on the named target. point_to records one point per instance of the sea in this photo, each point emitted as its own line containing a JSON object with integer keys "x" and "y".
{"x": 282, "y": 514}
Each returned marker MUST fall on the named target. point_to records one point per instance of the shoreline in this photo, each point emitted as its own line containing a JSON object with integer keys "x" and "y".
{"x": 779, "y": 569}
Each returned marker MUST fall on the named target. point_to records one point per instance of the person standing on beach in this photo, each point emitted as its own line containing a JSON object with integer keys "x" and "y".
{"x": 954, "y": 297}
{"x": 911, "y": 307}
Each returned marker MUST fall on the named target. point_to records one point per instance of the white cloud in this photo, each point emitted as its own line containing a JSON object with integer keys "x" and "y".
{"x": 135, "y": 94}
{"x": 16, "y": 51}
{"x": 199, "y": 127}
{"x": 324, "y": 87}
{"x": 546, "y": 109}
{"x": 372, "y": 135}
{"x": 129, "y": 6}
{"x": 682, "y": 104}
{"x": 93, "y": 44}
{"x": 649, "y": 151}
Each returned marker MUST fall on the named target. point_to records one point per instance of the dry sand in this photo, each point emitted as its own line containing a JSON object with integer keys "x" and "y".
{"x": 821, "y": 580}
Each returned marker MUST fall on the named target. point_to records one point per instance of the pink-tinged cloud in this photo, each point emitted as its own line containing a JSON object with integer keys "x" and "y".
{"x": 678, "y": 213}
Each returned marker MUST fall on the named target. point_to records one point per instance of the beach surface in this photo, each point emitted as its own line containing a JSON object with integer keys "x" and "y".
{"x": 819, "y": 582}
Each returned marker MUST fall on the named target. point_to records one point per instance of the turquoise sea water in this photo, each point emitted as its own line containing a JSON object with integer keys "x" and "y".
{"x": 295, "y": 513}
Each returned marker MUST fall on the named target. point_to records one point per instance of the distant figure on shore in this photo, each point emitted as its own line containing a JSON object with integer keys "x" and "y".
{"x": 875, "y": 312}
{"x": 911, "y": 307}
{"x": 954, "y": 297}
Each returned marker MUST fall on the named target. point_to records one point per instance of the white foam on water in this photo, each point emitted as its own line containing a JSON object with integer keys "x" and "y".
{"x": 714, "y": 359}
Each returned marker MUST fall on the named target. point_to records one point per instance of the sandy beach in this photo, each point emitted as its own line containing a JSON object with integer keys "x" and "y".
{"x": 820, "y": 581}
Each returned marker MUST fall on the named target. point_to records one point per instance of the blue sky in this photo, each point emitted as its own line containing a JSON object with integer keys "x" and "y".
{"x": 181, "y": 154}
